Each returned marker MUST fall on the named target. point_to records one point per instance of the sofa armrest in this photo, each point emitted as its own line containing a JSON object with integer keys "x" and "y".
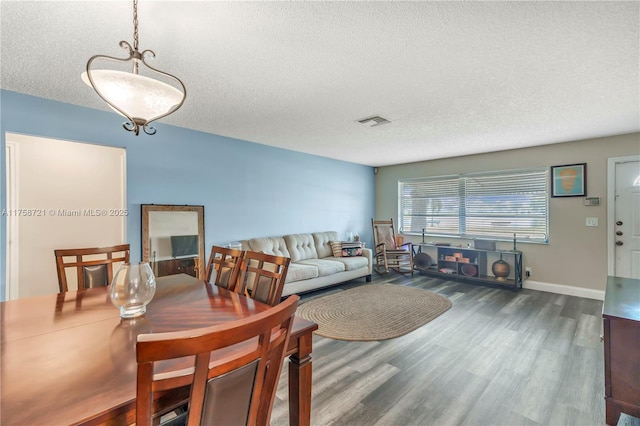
{"x": 368, "y": 253}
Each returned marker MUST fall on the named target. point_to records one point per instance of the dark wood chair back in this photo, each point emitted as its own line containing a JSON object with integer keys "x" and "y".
{"x": 262, "y": 276}
{"x": 230, "y": 385}
{"x": 224, "y": 266}
{"x": 93, "y": 266}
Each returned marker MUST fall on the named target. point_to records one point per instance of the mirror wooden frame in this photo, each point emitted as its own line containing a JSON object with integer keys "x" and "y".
{"x": 146, "y": 241}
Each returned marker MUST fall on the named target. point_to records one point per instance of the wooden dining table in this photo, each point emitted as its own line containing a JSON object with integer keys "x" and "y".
{"x": 69, "y": 358}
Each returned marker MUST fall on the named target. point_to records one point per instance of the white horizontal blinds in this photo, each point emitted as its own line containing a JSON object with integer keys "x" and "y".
{"x": 432, "y": 204}
{"x": 487, "y": 205}
{"x": 502, "y": 204}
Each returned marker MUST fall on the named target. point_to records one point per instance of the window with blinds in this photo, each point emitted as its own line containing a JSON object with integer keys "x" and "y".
{"x": 492, "y": 205}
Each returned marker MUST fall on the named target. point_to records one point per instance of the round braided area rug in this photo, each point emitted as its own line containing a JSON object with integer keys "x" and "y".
{"x": 373, "y": 311}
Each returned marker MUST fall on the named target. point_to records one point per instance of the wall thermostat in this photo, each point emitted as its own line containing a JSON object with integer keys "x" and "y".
{"x": 591, "y": 201}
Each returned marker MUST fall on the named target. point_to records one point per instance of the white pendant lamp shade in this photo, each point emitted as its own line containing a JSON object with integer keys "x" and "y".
{"x": 142, "y": 98}
{"x": 138, "y": 98}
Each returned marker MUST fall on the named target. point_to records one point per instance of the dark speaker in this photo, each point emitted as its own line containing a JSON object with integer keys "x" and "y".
{"x": 422, "y": 261}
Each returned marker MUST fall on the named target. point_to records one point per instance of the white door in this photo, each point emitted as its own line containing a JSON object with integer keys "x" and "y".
{"x": 60, "y": 194}
{"x": 626, "y": 226}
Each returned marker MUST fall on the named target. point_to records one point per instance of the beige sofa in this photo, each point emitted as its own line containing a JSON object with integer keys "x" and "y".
{"x": 313, "y": 265}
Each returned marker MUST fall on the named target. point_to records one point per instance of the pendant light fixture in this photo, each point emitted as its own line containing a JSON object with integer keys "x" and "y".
{"x": 138, "y": 98}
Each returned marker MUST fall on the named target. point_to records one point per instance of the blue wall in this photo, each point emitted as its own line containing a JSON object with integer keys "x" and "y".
{"x": 248, "y": 189}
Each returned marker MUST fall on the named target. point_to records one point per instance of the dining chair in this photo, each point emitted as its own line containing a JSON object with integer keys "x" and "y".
{"x": 224, "y": 266}
{"x": 389, "y": 253}
{"x": 262, "y": 276}
{"x": 229, "y": 385}
{"x": 93, "y": 266}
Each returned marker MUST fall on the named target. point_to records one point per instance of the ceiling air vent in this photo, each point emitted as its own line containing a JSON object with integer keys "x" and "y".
{"x": 376, "y": 120}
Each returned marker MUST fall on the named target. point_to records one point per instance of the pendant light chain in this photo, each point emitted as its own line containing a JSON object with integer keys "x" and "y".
{"x": 135, "y": 34}
{"x": 135, "y": 24}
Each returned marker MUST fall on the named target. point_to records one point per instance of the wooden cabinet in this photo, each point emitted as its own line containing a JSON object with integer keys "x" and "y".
{"x": 471, "y": 264}
{"x": 621, "y": 326}
{"x": 176, "y": 266}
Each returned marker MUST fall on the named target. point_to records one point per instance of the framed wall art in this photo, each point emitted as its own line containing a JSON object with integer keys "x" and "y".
{"x": 569, "y": 180}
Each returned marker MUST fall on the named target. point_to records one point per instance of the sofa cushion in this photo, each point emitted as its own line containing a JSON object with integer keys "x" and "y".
{"x": 336, "y": 248}
{"x": 352, "y": 251}
{"x": 346, "y": 248}
{"x": 299, "y": 272}
{"x": 325, "y": 267}
{"x": 301, "y": 247}
{"x": 352, "y": 263}
{"x": 322, "y": 241}
{"x": 270, "y": 245}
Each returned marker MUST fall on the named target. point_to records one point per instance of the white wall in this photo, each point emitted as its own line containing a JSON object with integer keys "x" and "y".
{"x": 60, "y": 190}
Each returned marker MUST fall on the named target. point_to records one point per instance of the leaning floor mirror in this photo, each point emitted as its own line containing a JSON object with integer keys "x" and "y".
{"x": 173, "y": 239}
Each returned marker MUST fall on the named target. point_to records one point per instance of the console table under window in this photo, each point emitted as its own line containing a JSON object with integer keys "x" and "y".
{"x": 469, "y": 264}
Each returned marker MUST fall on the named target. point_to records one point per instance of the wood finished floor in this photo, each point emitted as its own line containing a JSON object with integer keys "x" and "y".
{"x": 497, "y": 357}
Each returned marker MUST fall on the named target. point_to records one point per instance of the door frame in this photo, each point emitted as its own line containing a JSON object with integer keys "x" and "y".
{"x": 611, "y": 209}
{"x": 11, "y": 250}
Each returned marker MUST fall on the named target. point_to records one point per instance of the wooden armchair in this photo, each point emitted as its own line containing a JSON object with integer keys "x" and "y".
{"x": 388, "y": 253}
{"x": 93, "y": 266}
{"x": 224, "y": 266}
{"x": 230, "y": 385}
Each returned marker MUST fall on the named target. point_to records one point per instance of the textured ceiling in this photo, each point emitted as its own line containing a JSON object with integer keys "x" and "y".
{"x": 454, "y": 78}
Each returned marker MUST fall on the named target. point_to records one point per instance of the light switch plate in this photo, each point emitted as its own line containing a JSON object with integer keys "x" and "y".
{"x": 592, "y": 221}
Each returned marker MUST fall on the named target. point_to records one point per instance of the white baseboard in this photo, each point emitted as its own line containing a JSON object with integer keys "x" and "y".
{"x": 564, "y": 289}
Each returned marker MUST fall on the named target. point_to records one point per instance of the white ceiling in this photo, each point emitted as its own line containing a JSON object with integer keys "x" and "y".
{"x": 454, "y": 78}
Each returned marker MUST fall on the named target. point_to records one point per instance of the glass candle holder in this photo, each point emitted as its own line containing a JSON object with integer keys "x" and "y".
{"x": 132, "y": 288}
